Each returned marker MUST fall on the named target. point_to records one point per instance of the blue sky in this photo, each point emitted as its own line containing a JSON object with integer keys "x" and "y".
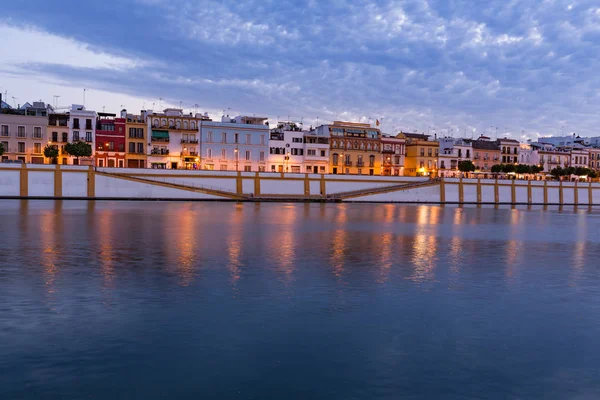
{"x": 526, "y": 67}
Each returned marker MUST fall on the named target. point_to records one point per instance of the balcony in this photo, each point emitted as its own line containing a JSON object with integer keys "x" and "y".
{"x": 190, "y": 153}
{"x": 160, "y": 152}
{"x": 4, "y": 134}
{"x": 190, "y": 141}
{"x": 347, "y": 163}
{"x": 159, "y": 139}
{"x": 476, "y": 158}
{"x": 360, "y": 163}
{"x": 21, "y": 135}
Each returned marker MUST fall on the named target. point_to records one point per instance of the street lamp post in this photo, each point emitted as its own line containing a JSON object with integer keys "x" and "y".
{"x": 237, "y": 158}
{"x": 287, "y": 161}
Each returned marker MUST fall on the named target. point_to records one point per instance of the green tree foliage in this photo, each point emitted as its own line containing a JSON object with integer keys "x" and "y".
{"x": 523, "y": 169}
{"x": 78, "y": 149}
{"x": 508, "y": 168}
{"x": 466, "y": 166}
{"x": 51, "y": 151}
{"x": 497, "y": 168}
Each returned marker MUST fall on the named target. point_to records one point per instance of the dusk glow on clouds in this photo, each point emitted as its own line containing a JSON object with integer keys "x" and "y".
{"x": 524, "y": 67}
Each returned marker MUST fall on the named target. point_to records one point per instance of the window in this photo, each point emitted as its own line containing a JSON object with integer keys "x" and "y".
{"x": 88, "y": 137}
{"x": 131, "y": 132}
{"x": 468, "y": 153}
{"x": 311, "y": 152}
{"x": 262, "y": 156}
{"x": 247, "y": 168}
{"x": 55, "y": 136}
{"x": 121, "y": 147}
{"x": 5, "y": 146}
{"x": 21, "y": 147}
{"x": 429, "y": 152}
{"x": 65, "y": 137}
{"x": 208, "y": 153}
{"x": 360, "y": 171}
{"x": 437, "y": 152}
{"x": 296, "y": 140}
{"x": 335, "y": 158}
{"x": 297, "y": 152}
{"x": 262, "y": 140}
{"x": 223, "y": 154}
{"x": 132, "y": 147}
{"x": 223, "y": 167}
{"x": 209, "y": 137}
{"x": 323, "y": 153}
{"x": 4, "y": 130}
{"x": 193, "y": 139}
{"x": 185, "y": 124}
{"x": 223, "y": 137}
{"x": 236, "y": 138}
{"x": 75, "y": 123}
{"x": 193, "y": 125}
{"x": 429, "y": 164}
{"x": 75, "y": 136}
{"x": 21, "y": 131}
{"x": 140, "y": 133}
{"x": 88, "y": 124}
{"x": 111, "y": 145}
{"x": 101, "y": 163}
{"x": 37, "y": 132}
{"x": 248, "y": 139}
{"x": 248, "y": 154}
{"x": 120, "y": 163}
{"x": 261, "y": 168}
{"x": 322, "y": 170}
{"x": 421, "y": 164}
{"x": 422, "y": 152}
{"x": 371, "y": 160}
{"x": 140, "y": 148}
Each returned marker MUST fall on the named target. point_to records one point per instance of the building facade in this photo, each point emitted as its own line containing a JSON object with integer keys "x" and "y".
{"x": 355, "y": 148}
{"x": 485, "y": 154}
{"x": 452, "y": 151}
{"x": 392, "y": 156}
{"x": 136, "y": 144}
{"x": 23, "y": 133}
{"x": 82, "y": 127}
{"x": 509, "y": 150}
{"x": 316, "y": 150}
{"x": 110, "y": 141}
{"x": 421, "y": 155}
{"x": 286, "y": 149}
{"x": 594, "y": 158}
{"x": 57, "y": 133}
{"x": 235, "y": 144}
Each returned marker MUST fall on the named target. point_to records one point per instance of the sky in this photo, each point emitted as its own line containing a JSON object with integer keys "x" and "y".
{"x": 515, "y": 68}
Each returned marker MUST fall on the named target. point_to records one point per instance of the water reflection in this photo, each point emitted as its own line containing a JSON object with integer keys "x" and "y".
{"x": 425, "y": 243}
{"x": 339, "y": 239}
{"x": 106, "y": 223}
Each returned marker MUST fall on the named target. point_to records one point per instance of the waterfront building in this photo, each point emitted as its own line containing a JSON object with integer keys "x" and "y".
{"x": 509, "y": 150}
{"x": 392, "y": 155}
{"x": 485, "y": 153}
{"x": 316, "y": 150}
{"x": 551, "y": 157}
{"x": 57, "y": 133}
{"x": 529, "y": 154}
{"x": 136, "y": 145}
{"x": 82, "y": 127}
{"x": 235, "y": 144}
{"x": 451, "y": 152}
{"x": 578, "y": 157}
{"x": 23, "y": 132}
{"x": 110, "y": 141}
{"x": 421, "y": 154}
{"x": 594, "y": 158}
{"x": 286, "y": 148}
{"x": 355, "y": 148}
{"x": 174, "y": 139}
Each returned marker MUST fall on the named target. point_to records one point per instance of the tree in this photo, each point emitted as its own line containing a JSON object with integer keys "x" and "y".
{"x": 466, "y": 166}
{"x": 569, "y": 171}
{"x": 557, "y": 172}
{"x": 508, "y": 168}
{"x": 535, "y": 169}
{"x": 51, "y": 151}
{"x": 1, "y": 149}
{"x": 580, "y": 171}
{"x": 593, "y": 174}
{"x": 78, "y": 149}
{"x": 497, "y": 168}
{"x": 523, "y": 169}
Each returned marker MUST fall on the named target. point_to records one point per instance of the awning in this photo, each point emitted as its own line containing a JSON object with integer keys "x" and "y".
{"x": 160, "y": 134}
{"x": 158, "y": 163}
{"x": 190, "y": 159}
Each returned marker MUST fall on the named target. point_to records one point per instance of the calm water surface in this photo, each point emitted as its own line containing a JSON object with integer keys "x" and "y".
{"x": 117, "y": 300}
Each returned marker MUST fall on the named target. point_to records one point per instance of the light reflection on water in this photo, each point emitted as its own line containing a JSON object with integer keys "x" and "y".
{"x": 297, "y": 301}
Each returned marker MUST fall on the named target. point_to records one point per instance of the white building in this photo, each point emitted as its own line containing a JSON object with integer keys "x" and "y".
{"x": 234, "y": 144}
{"x": 286, "y": 148}
{"x": 529, "y": 154}
{"x": 451, "y": 152}
{"x": 82, "y": 127}
{"x": 316, "y": 150}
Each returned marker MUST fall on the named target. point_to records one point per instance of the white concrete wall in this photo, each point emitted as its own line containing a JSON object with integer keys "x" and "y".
{"x": 227, "y": 184}
{"x": 470, "y": 193}
{"x": 521, "y": 194}
{"x": 115, "y": 187}
{"x": 487, "y": 194}
{"x": 248, "y": 186}
{"x": 537, "y": 194}
{"x": 272, "y": 186}
{"x": 421, "y": 194}
{"x": 315, "y": 188}
{"x": 338, "y": 187}
{"x": 10, "y": 182}
{"x": 40, "y": 183}
{"x": 74, "y": 184}
{"x": 451, "y": 192}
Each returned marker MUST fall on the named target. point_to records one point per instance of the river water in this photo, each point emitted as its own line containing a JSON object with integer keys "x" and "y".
{"x": 111, "y": 300}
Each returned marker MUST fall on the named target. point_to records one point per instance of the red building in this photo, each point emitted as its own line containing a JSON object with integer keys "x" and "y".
{"x": 110, "y": 141}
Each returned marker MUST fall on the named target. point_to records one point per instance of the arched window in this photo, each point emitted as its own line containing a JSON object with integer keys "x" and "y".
{"x": 193, "y": 125}
{"x": 362, "y": 146}
{"x": 209, "y": 153}
{"x": 185, "y": 124}
{"x": 336, "y": 158}
{"x": 178, "y": 124}
{"x": 334, "y": 144}
{"x": 355, "y": 145}
{"x": 369, "y": 147}
{"x": 163, "y": 122}
{"x": 376, "y": 147}
{"x": 156, "y": 123}
{"x": 170, "y": 123}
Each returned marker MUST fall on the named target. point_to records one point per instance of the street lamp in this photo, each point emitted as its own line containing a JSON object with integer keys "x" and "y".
{"x": 237, "y": 158}
{"x": 287, "y": 161}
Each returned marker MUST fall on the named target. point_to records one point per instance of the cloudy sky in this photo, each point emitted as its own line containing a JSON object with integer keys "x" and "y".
{"x": 526, "y": 67}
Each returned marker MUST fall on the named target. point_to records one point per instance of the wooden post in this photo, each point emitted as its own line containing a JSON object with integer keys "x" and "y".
{"x": 545, "y": 192}
{"x": 479, "y": 190}
{"x": 513, "y": 193}
{"x": 590, "y": 197}
{"x": 238, "y": 183}
{"x": 323, "y": 186}
{"x": 91, "y": 183}
{"x": 560, "y": 194}
{"x": 24, "y": 181}
{"x": 529, "y": 196}
{"x": 496, "y": 192}
{"x": 442, "y": 191}
{"x": 257, "y": 184}
{"x": 461, "y": 191}
{"x": 306, "y": 185}
{"x": 57, "y": 181}
{"x": 575, "y": 194}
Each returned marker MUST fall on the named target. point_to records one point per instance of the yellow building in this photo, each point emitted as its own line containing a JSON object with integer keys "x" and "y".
{"x": 136, "y": 132}
{"x": 355, "y": 149}
{"x": 421, "y": 155}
